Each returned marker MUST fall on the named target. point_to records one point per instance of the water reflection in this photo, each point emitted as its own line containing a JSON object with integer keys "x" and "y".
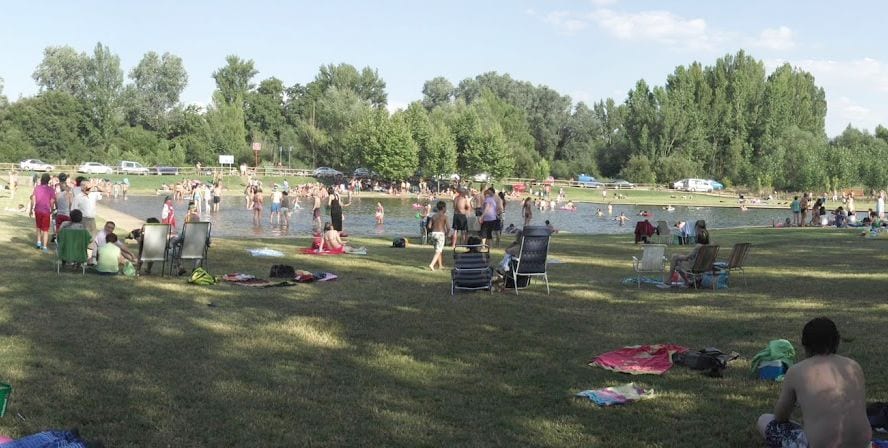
{"x": 402, "y": 217}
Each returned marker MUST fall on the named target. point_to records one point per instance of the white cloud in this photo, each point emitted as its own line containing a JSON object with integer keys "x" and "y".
{"x": 603, "y": 2}
{"x": 653, "y": 26}
{"x": 394, "y": 106}
{"x": 856, "y": 90}
{"x": 566, "y": 22}
{"x": 864, "y": 73}
{"x": 779, "y": 39}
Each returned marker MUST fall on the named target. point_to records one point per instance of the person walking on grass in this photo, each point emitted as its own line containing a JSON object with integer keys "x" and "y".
{"x": 439, "y": 228}
{"x": 829, "y": 391}
{"x": 40, "y": 207}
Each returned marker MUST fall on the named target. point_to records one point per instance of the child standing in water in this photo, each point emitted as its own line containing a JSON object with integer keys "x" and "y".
{"x": 380, "y": 213}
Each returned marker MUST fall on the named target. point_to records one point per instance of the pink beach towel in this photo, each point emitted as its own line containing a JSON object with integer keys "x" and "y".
{"x": 639, "y": 359}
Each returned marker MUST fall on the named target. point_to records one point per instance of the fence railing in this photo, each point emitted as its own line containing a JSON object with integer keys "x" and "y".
{"x": 187, "y": 170}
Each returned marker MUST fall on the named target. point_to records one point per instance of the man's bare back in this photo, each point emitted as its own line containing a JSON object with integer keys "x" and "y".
{"x": 461, "y": 205}
{"x": 830, "y": 392}
{"x": 439, "y": 223}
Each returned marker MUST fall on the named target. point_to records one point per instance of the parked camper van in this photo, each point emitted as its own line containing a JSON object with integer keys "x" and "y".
{"x": 699, "y": 185}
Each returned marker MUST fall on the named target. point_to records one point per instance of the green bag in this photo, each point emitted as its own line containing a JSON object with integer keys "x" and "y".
{"x": 129, "y": 270}
{"x": 5, "y": 390}
{"x": 199, "y": 276}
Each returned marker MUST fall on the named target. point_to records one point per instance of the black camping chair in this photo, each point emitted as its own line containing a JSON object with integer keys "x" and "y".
{"x": 471, "y": 268}
{"x": 531, "y": 260}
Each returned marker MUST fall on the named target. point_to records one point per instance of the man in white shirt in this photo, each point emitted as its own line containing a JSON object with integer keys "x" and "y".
{"x": 100, "y": 240}
{"x": 85, "y": 201}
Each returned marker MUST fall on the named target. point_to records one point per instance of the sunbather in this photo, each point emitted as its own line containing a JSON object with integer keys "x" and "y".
{"x": 684, "y": 262}
{"x": 332, "y": 243}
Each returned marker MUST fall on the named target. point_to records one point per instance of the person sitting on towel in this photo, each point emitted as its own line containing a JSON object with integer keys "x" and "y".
{"x": 332, "y": 243}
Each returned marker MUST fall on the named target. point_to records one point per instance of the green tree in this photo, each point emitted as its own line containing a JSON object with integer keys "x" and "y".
{"x": 265, "y": 113}
{"x": 103, "y": 84}
{"x": 158, "y": 82}
{"x": 51, "y": 122}
{"x": 225, "y": 130}
{"x": 385, "y": 145}
{"x": 366, "y": 84}
{"x": 436, "y": 92}
{"x": 62, "y": 69}
{"x": 639, "y": 169}
{"x": 234, "y": 79}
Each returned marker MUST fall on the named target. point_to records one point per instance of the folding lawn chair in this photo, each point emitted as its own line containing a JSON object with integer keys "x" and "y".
{"x": 193, "y": 245}
{"x": 653, "y": 260}
{"x": 531, "y": 260}
{"x": 471, "y": 268}
{"x": 736, "y": 260}
{"x": 155, "y": 245}
{"x": 703, "y": 264}
{"x": 71, "y": 247}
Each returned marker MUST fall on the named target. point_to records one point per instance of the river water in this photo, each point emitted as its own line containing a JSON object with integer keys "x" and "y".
{"x": 233, "y": 220}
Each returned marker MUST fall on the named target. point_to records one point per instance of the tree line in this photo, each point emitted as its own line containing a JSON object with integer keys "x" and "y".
{"x": 731, "y": 121}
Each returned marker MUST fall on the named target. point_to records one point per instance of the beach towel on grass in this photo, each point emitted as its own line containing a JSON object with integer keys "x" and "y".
{"x": 633, "y": 281}
{"x": 314, "y": 251}
{"x": 265, "y": 252}
{"x": 47, "y": 439}
{"x": 609, "y": 396}
{"x": 639, "y": 359}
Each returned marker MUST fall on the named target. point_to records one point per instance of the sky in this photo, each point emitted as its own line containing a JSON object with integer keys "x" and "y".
{"x": 589, "y": 49}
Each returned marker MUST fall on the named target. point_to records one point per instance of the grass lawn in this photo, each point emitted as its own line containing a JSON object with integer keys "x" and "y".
{"x": 384, "y": 356}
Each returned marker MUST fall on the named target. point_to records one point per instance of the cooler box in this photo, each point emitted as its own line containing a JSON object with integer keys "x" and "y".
{"x": 770, "y": 370}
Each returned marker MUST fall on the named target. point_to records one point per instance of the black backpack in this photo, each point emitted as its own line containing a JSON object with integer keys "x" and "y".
{"x": 399, "y": 242}
{"x": 282, "y": 271}
{"x": 710, "y": 359}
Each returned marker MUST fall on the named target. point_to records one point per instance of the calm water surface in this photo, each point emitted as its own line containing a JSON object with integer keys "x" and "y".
{"x": 233, "y": 220}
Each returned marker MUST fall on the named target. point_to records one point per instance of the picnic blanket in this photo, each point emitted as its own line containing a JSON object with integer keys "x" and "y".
{"x": 609, "y": 396}
{"x": 265, "y": 252}
{"x": 47, "y": 439}
{"x": 241, "y": 279}
{"x": 314, "y": 251}
{"x": 639, "y": 359}
{"x": 646, "y": 280}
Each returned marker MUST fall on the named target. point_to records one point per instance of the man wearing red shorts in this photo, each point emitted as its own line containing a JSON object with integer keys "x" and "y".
{"x": 42, "y": 201}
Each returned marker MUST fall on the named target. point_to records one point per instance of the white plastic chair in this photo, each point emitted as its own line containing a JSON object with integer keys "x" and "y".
{"x": 653, "y": 261}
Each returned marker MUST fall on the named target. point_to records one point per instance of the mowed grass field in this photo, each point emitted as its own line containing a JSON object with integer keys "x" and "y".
{"x": 384, "y": 356}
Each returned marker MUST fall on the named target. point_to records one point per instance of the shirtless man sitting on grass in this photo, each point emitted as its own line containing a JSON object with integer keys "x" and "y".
{"x": 828, "y": 388}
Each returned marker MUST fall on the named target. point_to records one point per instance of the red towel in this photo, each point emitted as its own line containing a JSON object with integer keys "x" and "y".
{"x": 314, "y": 251}
{"x": 639, "y": 359}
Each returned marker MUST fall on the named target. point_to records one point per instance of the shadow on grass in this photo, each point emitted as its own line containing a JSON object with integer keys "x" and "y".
{"x": 385, "y": 356}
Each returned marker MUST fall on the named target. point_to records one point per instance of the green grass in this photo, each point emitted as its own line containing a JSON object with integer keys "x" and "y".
{"x": 384, "y": 356}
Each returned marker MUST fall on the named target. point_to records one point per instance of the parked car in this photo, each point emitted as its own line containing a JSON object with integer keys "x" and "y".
{"x": 716, "y": 185}
{"x": 481, "y": 177}
{"x": 166, "y": 170}
{"x": 35, "y": 165}
{"x": 698, "y": 185}
{"x": 621, "y": 184}
{"x": 587, "y": 181}
{"x": 94, "y": 168}
{"x": 323, "y": 171}
{"x": 127, "y": 167}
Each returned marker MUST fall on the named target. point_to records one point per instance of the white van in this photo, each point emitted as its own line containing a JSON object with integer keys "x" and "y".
{"x": 127, "y": 167}
{"x": 701, "y": 185}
